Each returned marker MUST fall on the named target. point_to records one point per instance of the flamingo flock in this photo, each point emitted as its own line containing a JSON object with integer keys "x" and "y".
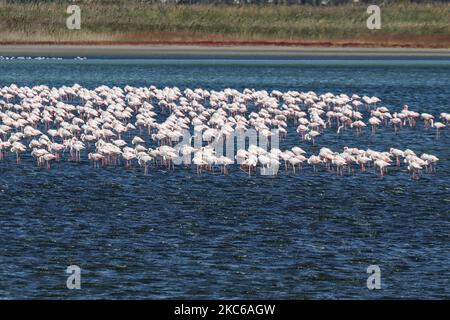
{"x": 111, "y": 126}
{"x": 37, "y": 58}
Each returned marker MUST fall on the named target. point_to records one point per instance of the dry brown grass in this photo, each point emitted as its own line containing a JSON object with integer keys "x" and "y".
{"x": 402, "y": 25}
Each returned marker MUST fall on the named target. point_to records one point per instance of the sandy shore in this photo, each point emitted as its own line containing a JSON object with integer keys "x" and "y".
{"x": 191, "y": 51}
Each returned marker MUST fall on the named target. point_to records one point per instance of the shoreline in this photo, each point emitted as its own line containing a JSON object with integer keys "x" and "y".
{"x": 212, "y": 51}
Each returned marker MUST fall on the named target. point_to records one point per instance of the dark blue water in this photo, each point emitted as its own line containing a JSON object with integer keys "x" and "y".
{"x": 174, "y": 234}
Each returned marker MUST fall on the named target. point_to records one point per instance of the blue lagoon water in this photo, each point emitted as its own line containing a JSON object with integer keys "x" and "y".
{"x": 176, "y": 234}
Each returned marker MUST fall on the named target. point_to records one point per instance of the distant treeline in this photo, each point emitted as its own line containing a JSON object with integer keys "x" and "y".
{"x": 231, "y": 2}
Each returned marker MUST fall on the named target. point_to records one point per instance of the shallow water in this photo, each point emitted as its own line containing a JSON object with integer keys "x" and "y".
{"x": 174, "y": 234}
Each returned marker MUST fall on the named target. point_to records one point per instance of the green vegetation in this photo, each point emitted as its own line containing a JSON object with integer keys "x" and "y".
{"x": 403, "y": 24}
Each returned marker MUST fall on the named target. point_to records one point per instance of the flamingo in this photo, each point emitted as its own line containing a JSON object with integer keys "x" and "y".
{"x": 397, "y": 154}
{"x": 374, "y": 122}
{"x": 314, "y": 160}
{"x": 48, "y": 157}
{"x": 18, "y": 148}
{"x": 144, "y": 160}
{"x": 382, "y": 165}
{"x": 438, "y": 125}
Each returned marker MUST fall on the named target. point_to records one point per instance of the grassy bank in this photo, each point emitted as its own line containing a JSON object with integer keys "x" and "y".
{"x": 402, "y": 24}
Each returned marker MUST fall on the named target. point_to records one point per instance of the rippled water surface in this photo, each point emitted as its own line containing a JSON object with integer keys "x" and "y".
{"x": 174, "y": 234}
